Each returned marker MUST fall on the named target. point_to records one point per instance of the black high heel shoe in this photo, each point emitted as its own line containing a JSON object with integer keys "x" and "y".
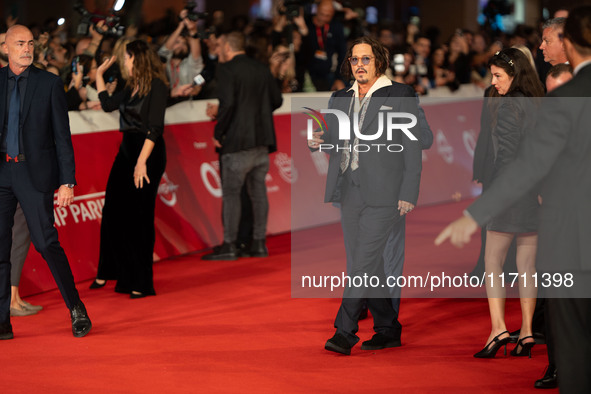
{"x": 490, "y": 351}
{"x": 96, "y": 285}
{"x": 525, "y": 347}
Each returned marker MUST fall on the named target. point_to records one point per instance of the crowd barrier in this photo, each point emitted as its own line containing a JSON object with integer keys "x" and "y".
{"x": 188, "y": 208}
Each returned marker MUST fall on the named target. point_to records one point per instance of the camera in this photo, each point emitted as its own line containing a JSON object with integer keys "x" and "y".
{"x": 112, "y": 26}
{"x": 192, "y": 14}
{"x": 291, "y": 8}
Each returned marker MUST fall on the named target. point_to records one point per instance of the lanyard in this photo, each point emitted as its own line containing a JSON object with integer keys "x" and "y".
{"x": 321, "y": 36}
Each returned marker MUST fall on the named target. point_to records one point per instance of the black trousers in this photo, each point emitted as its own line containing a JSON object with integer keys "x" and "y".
{"x": 16, "y": 187}
{"x": 366, "y": 230}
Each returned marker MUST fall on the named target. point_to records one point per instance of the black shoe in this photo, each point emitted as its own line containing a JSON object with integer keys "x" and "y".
{"x": 136, "y": 295}
{"x": 490, "y": 351}
{"x": 539, "y": 337}
{"x": 524, "y": 347}
{"x": 6, "y": 331}
{"x": 258, "y": 248}
{"x": 339, "y": 344}
{"x": 96, "y": 285}
{"x": 226, "y": 251}
{"x": 242, "y": 249}
{"x": 81, "y": 324}
{"x": 380, "y": 341}
{"x": 549, "y": 380}
{"x": 514, "y": 336}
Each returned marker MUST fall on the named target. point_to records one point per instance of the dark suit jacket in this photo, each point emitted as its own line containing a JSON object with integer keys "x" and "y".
{"x": 45, "y": 129}
{"x": 558, "y": 152}
{"x": 248, "y": 96}
{"x": 385, "y": 177}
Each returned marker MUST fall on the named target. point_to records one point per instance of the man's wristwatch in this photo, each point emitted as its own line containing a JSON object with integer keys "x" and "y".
{"x": 69, "y": 185}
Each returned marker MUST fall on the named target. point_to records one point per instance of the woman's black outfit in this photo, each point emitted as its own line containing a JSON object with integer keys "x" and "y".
{"x": 514, "y": 118}
{"x": 127, "y": 228}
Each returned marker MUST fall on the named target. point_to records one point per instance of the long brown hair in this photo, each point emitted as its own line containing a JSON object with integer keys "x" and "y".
{"x": 146, "y": 67}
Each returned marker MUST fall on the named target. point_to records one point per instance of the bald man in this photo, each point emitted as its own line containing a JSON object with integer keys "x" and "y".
{"x": 36, "y": 158}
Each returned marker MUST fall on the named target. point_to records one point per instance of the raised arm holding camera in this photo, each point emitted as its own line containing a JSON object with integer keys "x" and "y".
{"x": 183, "y": 57}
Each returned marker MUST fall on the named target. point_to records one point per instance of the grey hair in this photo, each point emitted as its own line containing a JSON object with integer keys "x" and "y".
{"x": 555, "y": 23}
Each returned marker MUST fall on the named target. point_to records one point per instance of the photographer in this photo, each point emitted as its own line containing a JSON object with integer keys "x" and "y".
{"x": 183, "y": 57}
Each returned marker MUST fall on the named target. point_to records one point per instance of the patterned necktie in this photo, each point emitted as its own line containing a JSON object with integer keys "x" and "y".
{"x": 12, "y": 148}
{"x": 362, "y": 111}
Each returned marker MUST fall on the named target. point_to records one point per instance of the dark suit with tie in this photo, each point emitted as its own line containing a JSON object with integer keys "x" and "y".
{"x": 369, "y": 197}
{"x": 558, "y": 153}
{"x": 46, "y": 161}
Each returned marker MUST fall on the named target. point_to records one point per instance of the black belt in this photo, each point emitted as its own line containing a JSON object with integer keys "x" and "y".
{"x": 20, "y": 157}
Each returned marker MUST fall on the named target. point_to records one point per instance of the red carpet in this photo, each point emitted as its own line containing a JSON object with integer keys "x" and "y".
{"x": 232, "y": 327}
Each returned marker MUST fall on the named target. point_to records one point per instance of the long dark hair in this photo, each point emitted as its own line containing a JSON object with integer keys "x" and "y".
{"x": 381, "y": 53}
{"x": 146, "y": 67}
{"x": 517, "y": 65}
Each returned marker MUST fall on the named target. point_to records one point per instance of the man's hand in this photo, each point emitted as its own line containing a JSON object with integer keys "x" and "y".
{"x": 216, "y": 143}
{"x": 315, "y": 142}
{"x": 405, "y": 207}
{"x": 211, "y": 110}
{"x": 458, "y": 232}
{"x": 65, "y": 196}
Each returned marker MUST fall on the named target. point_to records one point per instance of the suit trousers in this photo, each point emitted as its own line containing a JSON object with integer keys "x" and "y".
{"x": 570, "y": 322}
{"x": 16, "y": 187}
{"x": 366, "y": 230}
{"x": 21, "y": 241}
{"x": 248, "y": 167}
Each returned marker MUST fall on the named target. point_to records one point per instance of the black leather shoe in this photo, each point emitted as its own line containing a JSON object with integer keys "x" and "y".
{"x": 339, "y": 344}
{"x": 226, "y": 251}
{"x": 514, "y": 336}
{"x": 258, "y": 248}
{"x": 96, "y": 285}
{"x": 6, "y": 331}
{"x": 549, "y": 380}
{"x": 539, "y": 337}
{"x": 380, "y": 341}
{"x": 81, "y": 324}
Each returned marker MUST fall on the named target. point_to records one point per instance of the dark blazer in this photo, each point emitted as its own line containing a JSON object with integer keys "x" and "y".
{"x": 45, "y": 129}
{"x": 385, "y": 177}
{"x": 484, "y": 153}
{"x": 248, "y": 96}
{"x": 558, "y": 152}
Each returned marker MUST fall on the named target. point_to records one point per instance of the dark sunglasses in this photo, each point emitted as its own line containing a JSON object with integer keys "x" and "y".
{"x": 364, "y": 60}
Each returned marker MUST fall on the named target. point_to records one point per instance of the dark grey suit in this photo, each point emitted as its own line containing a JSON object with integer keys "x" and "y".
{"x": 558, "y": 153}
{"x": 369, "y": 198}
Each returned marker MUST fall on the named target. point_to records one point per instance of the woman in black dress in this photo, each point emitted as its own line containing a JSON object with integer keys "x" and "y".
{"x": 511, "y": 104}
{"x": 127, "y": 228}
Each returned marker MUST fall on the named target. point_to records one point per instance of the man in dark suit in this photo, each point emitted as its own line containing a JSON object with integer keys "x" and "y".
{"x": 375, "y": 187}
{"x": 244, "y": 135}
{"x": 559, "y": 155}
{"x": 36, "y": 158}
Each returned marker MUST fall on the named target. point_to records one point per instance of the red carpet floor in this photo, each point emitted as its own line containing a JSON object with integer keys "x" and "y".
{"x": 232, "y": 327}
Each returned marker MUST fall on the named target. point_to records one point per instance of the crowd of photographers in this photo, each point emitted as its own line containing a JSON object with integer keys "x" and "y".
{"x": 304, "y": 48}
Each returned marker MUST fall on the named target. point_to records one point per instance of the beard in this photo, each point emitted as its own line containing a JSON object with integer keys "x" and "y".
{"x": 180, "y": 54}
{"x": 3, "y": 57}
